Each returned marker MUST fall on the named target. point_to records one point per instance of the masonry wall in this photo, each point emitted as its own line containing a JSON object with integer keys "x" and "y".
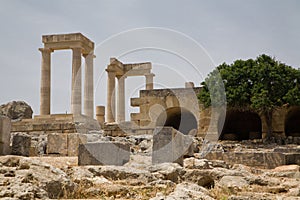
{"x": 155, "y": 103}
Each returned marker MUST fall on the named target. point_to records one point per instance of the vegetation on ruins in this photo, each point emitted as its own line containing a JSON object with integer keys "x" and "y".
{"x": 259, "y": 85}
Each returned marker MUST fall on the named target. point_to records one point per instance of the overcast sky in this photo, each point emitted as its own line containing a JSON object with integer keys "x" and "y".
{"x": 226, "y": 30}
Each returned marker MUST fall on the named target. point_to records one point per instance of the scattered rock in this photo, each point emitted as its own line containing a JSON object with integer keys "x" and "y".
{"x": 167, "y": 171}
{"x": 186, "y": 191}
{"x": 233, "y": 182}
{"x": 16, "y": 110}
{"x": 287, "y": 168}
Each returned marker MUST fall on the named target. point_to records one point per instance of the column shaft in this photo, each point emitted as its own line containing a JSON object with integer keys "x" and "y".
{"x": 45, "y": 95}
{"x": 89, "y": 86}
{"x": 76, "y": 82}
{"x": 121, "y": 99}
{"x": 149, "y": 81}
{"x": 111, "y": 96}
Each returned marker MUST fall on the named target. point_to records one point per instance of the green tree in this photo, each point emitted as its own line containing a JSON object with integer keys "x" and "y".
{"x": 260, "y": 85}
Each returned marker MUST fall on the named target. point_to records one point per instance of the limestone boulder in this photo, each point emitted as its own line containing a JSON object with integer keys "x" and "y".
{"x": 167, "y": 171}
{"x": 16, "y": 110}
{"x": 199, "y": 177}
{"x": 186, "y": 191}
{"x": 287, "y": 168}
{"x": 112, "y": 172}
{"x": 233, "y": 182}
{"x": 21, "y": 143}
{"x": 25, "y": 178}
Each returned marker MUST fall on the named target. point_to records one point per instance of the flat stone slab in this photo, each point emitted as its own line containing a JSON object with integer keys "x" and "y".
{"x": 103, "y": 153}
{"x": 169, "y": 145}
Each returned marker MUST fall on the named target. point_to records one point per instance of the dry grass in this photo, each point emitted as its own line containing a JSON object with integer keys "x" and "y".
{"x": 58, "y": 162}
{"x": 117, "y": 190}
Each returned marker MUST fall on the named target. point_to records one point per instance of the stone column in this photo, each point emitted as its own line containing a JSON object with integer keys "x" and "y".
{"x": 45, "y": 98}
{"x": 121, "y": 99}
{"x": 100, "y": 115}
{"x": 111, "y": 96}
{"x": 89, "y": 86}
{"x": 5, "y": 128}
{"x": 149, "y": 81}
{"x": 76, "y": 82}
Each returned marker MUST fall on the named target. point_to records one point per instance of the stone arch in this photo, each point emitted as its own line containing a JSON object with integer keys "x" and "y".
{"x": 179, "y": 118}
{"x": 241, "y": 125}
{"x": 292, "y": 122}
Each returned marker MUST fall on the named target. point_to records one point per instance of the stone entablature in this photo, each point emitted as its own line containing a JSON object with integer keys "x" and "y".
{"x": 68, "y": 41}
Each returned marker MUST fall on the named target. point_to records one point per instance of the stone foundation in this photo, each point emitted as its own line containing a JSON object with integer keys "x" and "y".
{"x": 268, "y": 160}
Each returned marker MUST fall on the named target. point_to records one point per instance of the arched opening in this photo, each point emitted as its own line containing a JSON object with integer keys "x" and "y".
{"x": 179, "y": 118}
{"x": 292, "y": 123}
{"x": 241, "y": 126}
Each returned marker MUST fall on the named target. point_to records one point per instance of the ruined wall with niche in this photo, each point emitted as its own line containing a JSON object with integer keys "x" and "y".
{"x": 158, "y": 105}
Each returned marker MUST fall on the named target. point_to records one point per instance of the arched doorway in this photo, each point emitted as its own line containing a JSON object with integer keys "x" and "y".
{"x": 292, "y": 123}
{"x": 241, "y": 125}
{"x": 180, "y": 119}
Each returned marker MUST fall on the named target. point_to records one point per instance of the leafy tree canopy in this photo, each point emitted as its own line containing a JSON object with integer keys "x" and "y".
{"x": 261, "y": 85}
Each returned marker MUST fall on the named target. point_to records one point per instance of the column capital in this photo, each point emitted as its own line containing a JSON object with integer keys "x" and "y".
{"x": 110, "y": 71}
{"x": 77, "y": 49}
{"x": 150, "y": 74}
{"x": 91, "y": 55}
{"x": 45, "y": 50}
{"x": 121, "y": 77}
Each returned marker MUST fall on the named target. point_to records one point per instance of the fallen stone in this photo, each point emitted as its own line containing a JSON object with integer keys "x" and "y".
{"x": 169, "y": 145}
{"x": 233, "y": 182}
{"x": 74, "y": 139}
{"x": 193, "y": 163}
{"x": 103, "y": 153}
{"x": 57, "y": 144}
{"x": 287, "y": 168}
{"x": 167, "y": 171}
{"x": 199, "y": 177}
{"x": 21, "y": 143}
{"x": 111, "y": 172}
{"x": 186, "y": 191}
{"x": 16, "y": 110}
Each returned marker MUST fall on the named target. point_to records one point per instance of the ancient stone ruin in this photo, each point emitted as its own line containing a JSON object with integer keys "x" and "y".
{"x": 172, "y": 143}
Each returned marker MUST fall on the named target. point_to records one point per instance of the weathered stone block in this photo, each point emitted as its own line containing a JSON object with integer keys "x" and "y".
{"x": 103, "y": 153}
{"x": 21, "y": 143}
{"x": 57, "y": 144}
{"x": 169, "y": 145}
{"x": 74, "y": 140}
{"x": 5, "y": 127}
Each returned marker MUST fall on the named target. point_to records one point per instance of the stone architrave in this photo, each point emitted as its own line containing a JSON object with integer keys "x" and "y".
{"x": 5, "y": 127}
{"x": 169, "y": 145}
{"x": 21, "y": 143}
{"x": 103, "y": 153}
